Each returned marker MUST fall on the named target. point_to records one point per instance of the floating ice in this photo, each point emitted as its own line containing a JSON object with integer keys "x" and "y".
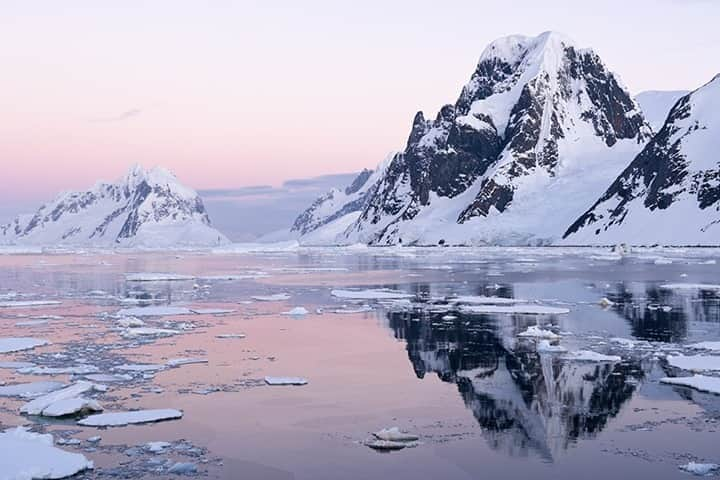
{"x": 535, "y": 331}
{"x": 394, "y": 434}
{"x": 176, "y": 362}
{"x": 11, "y": 344}
{"x": 690, "y": 286}
{"x": 695, "y": 363}
{"x": 230, "y": 335}
{"x": 31, "y": 323}
{"x": 701, "y": 383}
{"x": 285, "y": 381}
{"x": 590, "y": 356}
{"x": 544, "y": 346}
{"x": 28, "y": 390}
{"x": 76, "y": 370}
{"x": 372, "y": 294}
{"x": 212, "y": 311}
{"x": 71, "y": 406}
{"x": 28, "y": 303}
{"x": 277, "y": 297}
{"x": 183, "y": 468}
{"x": 529, "y": 309}
{"x": 701, "y": 469}
{"x": 16, "y": 365}
{"x": 130, "y": 322}
{"x": 156, "y": 447}
{"x": 108, "y": 378}
{"x": 386, "y": 444}
{"x": 606, "y": 302}
{"x": 297, "y": 311}
{"x": 156, "y": 277}
{"x": 483, "y": 300}
{"x": 147, "y": 332}
{"x": 140, "y": 367}
{"x": 712, "y": 346}
{"x": 38, "y": 405}
{"x": 154, "y": 311}
{"x": 119, "y": 419}
{"x": 27, "y": 455}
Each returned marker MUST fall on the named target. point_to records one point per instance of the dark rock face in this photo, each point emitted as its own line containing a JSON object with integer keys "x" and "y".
{"x": 661, "y": 175}
{"x": 447, "y": 155}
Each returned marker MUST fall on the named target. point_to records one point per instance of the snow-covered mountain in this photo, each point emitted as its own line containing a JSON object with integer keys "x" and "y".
{"x": 670, "y": 193}
{"x": 656, "y": 104}
{"x": 536, "y": 135}
{"x": 145, "y": 208}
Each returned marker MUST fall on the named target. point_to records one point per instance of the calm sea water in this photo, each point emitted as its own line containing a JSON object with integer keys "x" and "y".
{"x": 484, "y": 402}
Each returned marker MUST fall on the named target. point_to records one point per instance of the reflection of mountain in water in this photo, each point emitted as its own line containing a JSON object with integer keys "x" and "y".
{"x": 642, "y": 305}
{"x": 523, "y": 400}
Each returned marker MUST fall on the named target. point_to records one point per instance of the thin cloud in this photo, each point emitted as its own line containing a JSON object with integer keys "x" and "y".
{"x": 133, "y": 112}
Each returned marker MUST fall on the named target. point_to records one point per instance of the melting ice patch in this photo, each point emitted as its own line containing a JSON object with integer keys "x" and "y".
{"x": 17, "y": 344}
{"x": 277, "y": 297}
{"x": 285, "y": 381}
{"x": 701, "y": 383}
{"x": 695, "y": 363}
{"x": 372, "y": 294}
{"x": 27, "y": 455}
{"x": 119, "y": 419}
{"x": 154, "y": 311}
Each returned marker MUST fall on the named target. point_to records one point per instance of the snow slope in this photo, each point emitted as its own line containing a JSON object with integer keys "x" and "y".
{"x": 146, "y": 208}
{"x": 670, "y": 193}
{"x": 539, "y": 131}
{"x": 656, "y": 105}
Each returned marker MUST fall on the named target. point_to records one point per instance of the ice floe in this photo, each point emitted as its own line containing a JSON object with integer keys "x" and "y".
{"x": 701, "y": 383}
{"x": 372, "y": 294}
{"x": 700, "y": 469}
{"x": 590, "y": 356}
{"x": 16, "y": 365}
{"x": 147, "y": 332}
{"x": 212, "y": 311}
{"x": 176, "y": 362}
{"x": 108, "y": 378}
{"x": 690, "y": 286}
{"x": 118, "y": 419}
{"x": 27, "y": 455}
{"x": 544, "y": 346}
{"x": 154, "y": 311}
{"x": 285, "y": 381}
{"x": 695, "y": 363}
{"x": 140, "y": 367}
{"x": 38, "y": 405}
{"x": 535, "y": 331}
{"x": 71, "y": 406}
{"x": 28, "y": 303}
{"x": 230, "y": 335}
{"x": 296, "y": 312}
{"x": 483, "y": 300}
{"x": 394, "y": 434}
{"x": 711, "y": 346}
{"x": 17, "y": 344}
{"x": 525, "y": 309}
{"x": 29, "y": 390}
{"x": 156, "y": 277}
{"x": 75, "y": 370}
{"x": 276, "y": 297}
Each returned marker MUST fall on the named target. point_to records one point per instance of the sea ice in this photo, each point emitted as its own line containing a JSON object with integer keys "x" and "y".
{"x": 38, "y": 405}
{"x": 76, "y": 370}
{"x": 297, "y": 311}
{"x": 712, "y": 346}
{"x": 212, "y": 311}
{"x": 700, "y": 469}
{"x": 108, "y": 378}
{"x": 71, "y": 406}
{"x": 28, "y": 303}
{"x": 176, "y": 362}
{"x": 529, "y": 309}
{"x": 590, "y": 356}
{"x": 394, "y": 434}
{"x": 277, "y": 297}
{"x": 147, "y": 332}
{"x": 695, "y": 363}
{"x": 154, "y": 311}
{"x": 483, "y": 300}
{"x": 17, "y": 344}
{"x": 544, "y": 346}
{"x": 372, "y": 294}
{"x": 27, "y": 455}
{"x": 119, "y": 419}
{"x": 156, "y": 447}
{"x": 535, "y": 331}
{"x": 156, "y": 277}
{"x": 701, "y": 383}
{"x": 285, "y": 381}
{"x": 140, "y": 367}
{"x": 28, "y": 390}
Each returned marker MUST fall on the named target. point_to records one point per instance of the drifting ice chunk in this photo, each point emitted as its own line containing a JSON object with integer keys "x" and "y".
{"x": 690, "y": 286}
{"x": 147, "y": 332}
{"x": 230, "y": 335}
{"x": 701, "y": 383}
{"x": 156, "y": 277}
{"x": 130, "y": 322}
{"x": 211, "y": 311}
{"x": 545, "y": 347}
{"x": 713, "y": 346}
{"x": 536, "y": 332}
{"x": 285, "y": 381}
{"x": 27, "y": 455}
{"x": 16, "y": 365}
{"x": 71, "y": 406}
{"x": 529, "y": 309}
{"x": 696, "y": 363}
{"x": 700, "y": 469}
{"x": 156, "y": 447}
{"x": 394, "y": 434}
{"x": 108, "y": 378}
{"x": 482, "y": 300}
{"x": 387, "y": 444}
{"x": 277, "y": 297}
{"x": 183, "y": 468}
{"x": 10, "y": 344}
{"x": 373, "y": 294}
{"x": 606, "y": 302}
{"x": 176, "y": 362}
{"x": 140, "y": 367}
{"x": 590, "y": 356}
{"x": 28, "y": 303}
{"x": 297, "y": 311}
{"x": 156, "y": 311}
{"x": 27, "y": 390}
{"x": 36, "y": 407}
{"x": 119, "y": 419}
{"x": 77, "y": 370}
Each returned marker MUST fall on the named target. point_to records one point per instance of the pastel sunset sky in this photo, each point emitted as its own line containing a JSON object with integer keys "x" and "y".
{"x": 237, "y": 93}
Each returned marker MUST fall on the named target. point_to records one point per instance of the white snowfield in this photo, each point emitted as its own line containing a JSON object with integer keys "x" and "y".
{"x": 119, "y": 419}
{"x": 146, "y": 208}
{"x": 25, "y": 455}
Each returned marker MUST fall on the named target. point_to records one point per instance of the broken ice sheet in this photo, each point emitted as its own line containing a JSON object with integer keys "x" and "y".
{"x": 154, "y": 311}
{"x": 529, "y": 309}
{"x": 29, "y": 390}
{"x": 277, "y": 297}
{"x": 700, "y": 383}
{"x": 17, "y": 344}
{"x": 118, "y": 419}
{"x": 371, "y": 294}
{"x": 26, "y": 455}
{"x": 286, "y": 381}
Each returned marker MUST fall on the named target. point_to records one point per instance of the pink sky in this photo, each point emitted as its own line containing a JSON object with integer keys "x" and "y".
{"x": 232, "y": 93}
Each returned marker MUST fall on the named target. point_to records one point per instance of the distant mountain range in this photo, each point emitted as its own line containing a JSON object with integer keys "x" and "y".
{"x": 146, "y": 208}
{"x": 540, "y": 132}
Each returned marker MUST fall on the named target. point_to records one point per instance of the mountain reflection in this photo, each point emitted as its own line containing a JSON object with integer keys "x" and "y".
{"x": 524, "y": 401}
